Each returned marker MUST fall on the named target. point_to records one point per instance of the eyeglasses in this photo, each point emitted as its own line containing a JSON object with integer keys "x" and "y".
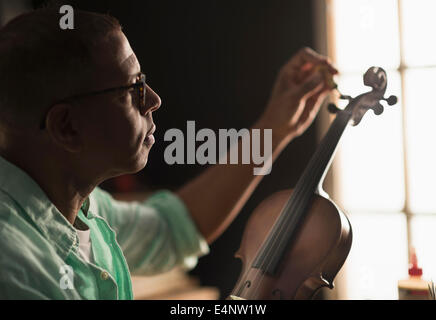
{"x": 138, "y": 97}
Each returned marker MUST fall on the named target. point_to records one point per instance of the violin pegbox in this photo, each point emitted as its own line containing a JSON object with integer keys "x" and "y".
{"x": 376, "y": 78}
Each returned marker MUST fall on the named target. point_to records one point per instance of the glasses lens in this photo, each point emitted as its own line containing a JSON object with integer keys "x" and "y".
{"x": 141, "y": 93}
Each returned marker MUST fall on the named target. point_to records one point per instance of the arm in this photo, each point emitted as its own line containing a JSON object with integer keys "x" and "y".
{"x": 216, "y": 196}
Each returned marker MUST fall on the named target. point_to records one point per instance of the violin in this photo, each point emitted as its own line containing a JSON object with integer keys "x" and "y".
{"x": 296, "y": 241}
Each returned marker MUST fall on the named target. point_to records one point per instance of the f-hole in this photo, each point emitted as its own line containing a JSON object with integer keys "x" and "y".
{"x": 247, "y": 284}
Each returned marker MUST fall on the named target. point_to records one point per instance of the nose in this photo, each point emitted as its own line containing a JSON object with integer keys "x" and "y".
{"x": 152, "y": 101}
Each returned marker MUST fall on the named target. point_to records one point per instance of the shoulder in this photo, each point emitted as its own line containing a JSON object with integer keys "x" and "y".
{"x": 26, "y": 264}
{"x": 22, "y": 246}
{"x": 15, "y": 227}
{"x": 8, "y": 209}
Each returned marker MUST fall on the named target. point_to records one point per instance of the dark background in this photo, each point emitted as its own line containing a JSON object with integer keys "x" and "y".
{"x": 214, "y": 62}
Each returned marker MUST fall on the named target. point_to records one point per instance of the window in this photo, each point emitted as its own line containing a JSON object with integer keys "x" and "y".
{"x": 383, "y": 172}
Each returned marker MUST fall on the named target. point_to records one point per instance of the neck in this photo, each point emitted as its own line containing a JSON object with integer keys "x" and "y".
{"x": 62, "y": 181}
{"x": 313, "y": 176}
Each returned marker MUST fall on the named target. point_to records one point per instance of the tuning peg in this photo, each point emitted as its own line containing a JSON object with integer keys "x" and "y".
{"x": 378, "y": 109}
{"x": 391, "y": 100}
{"x": 332, "y": 108}
{"x": 345, "y": 97}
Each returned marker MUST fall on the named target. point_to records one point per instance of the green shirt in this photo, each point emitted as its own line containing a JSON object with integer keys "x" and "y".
{"x": 39, "y": 256}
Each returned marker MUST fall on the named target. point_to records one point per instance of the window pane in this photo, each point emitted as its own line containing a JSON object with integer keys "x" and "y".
{"x": 366, "y": 34}
{"x": 419, "y": 23}
{"x": 424, "y": 238}
{"x": 378, "y": 257}
{"x": 421, "y": 133}
{"x": 368, "y": 168}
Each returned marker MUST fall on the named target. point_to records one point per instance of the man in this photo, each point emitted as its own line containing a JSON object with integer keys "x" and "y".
{"x": 74, "y": 111}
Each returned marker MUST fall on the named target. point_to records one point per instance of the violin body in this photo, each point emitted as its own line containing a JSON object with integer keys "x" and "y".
{"x": 297, "y": 240}
{"x": 314, "y": 258}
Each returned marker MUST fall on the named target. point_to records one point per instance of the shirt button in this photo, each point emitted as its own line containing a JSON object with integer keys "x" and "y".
{"x": 104, "y": 275}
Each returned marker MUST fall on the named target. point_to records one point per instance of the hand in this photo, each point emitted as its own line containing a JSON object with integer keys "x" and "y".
{"x": 300, "y": 88}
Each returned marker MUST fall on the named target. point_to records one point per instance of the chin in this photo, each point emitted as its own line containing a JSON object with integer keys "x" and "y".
{"x": 140, "y": 162}
{"x": 136, "y": 161}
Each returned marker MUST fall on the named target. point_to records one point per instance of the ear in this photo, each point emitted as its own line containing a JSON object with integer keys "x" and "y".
{"x": 60, "y": 125}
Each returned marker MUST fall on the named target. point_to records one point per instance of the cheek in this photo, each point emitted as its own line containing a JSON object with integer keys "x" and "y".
{"x": 122, "y": 129}
{"x": 126, "y": 128}
{"x": 118, "y": 128}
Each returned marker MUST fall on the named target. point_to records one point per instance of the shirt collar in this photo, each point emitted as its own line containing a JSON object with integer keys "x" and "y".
{"x": 35, "y": 203}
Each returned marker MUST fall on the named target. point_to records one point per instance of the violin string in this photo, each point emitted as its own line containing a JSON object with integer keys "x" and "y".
{"x": 280, "y": 224}
{"x": 277, "y": 235}
{"x": 297, "y": 194}
{"x": 308, "y": 182}
{"x": 302, "y": 199}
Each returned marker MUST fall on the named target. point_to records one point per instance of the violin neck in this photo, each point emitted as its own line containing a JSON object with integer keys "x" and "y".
{"x": 295, "y": 209}
{"x": 313, "y": 176}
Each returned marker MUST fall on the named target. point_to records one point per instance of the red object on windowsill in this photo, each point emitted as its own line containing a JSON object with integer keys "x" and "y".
{"x": 414, "y": 270}
{"x": 125, "y": 183}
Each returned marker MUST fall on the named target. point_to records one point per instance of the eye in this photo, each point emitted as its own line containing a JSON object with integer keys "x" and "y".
{"x": 132, "y": 93}
{"x": 124, "y": 95}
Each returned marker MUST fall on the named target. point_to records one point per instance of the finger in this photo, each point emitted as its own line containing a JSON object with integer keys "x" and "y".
{"x": 307, "y": 55}
{"x": 329, "y": 82}
{"x": 315, "y": 101}
{"x": 307, "y": 58}
{"x": 326, "y": 68}
{"x": 311, "y": 109}
{"x": 309, "y": 86}
{"x": 307, "y": 72}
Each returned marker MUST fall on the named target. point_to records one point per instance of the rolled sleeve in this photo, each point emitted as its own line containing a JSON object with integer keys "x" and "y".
{"x": 154, "y": 235}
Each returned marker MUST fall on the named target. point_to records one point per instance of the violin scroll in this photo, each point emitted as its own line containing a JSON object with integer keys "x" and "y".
{"x": 376, "y": 78}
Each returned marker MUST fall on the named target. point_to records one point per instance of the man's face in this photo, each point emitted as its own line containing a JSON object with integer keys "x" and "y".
{"x": 116, "y": 136}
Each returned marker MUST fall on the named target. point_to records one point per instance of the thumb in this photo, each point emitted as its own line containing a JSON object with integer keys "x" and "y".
{"x": 309, "y": 86}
